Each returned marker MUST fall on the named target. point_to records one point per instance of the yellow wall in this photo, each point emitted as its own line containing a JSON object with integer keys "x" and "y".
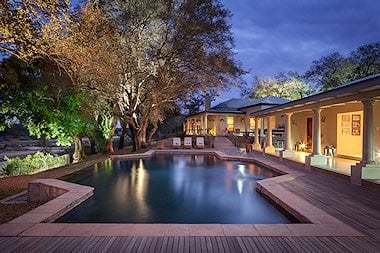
{"x": 349, "y": 144}
{"x": 298, "y": 125}
{"x": 329, "y": 128}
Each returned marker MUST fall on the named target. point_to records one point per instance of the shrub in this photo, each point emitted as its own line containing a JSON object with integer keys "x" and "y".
{"x": 32, "y": 163}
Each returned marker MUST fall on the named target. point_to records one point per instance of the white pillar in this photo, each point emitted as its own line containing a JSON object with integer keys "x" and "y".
{"x": 367, "y": 168}
{"x": 246, "y": 121}
{"x": 202, "y": 127}
{"x": 269, "y": 148}
{"x": 368, "y": 152}
{"x": 262, "y": 127}
{"x": 257, "y": 130}
{"x": 206, "y": 132}
{"x": 288, "y": 131}
{"x": 288, "y": 151}
{"x": 257, "y": 146}
{"x": 317, "y": 131}
{"x": 316, "y": 158}
{"x": 269, "y": 131}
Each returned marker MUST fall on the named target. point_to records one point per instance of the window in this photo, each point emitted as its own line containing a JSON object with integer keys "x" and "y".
{"x": 230, "y": 124}
{"x": 251, "y": 124}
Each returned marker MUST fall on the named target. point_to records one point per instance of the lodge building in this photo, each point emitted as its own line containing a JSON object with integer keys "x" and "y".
{"x": 337, "y": 129}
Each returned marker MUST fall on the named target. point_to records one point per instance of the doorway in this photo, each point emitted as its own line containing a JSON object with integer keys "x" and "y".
{"x": 309, "y": 132}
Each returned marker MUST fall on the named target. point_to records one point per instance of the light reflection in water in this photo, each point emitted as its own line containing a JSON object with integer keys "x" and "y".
{"x": 175, "y": 189}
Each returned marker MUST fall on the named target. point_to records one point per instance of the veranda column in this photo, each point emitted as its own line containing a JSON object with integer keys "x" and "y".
{"x": 257, "y": 146}
{"x": 288, "y": 131}
{"x": 316, "y": 131}
{"x": 269, "y": 148}
{"x": 246, "y": 121}
{"x": 202, "y": 127}
{"x": 206, "y": 132}
{"x": 316, "y": 158}
{"x": 368, "y": 154}
{"x": 367, "y": 168}
{"x": 288, "y": 151}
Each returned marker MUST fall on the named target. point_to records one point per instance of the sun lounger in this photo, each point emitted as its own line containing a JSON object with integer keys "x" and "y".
{"x": 188, "y": 143}
{"x": 200, "y": 142}
{"x": 176, "y": 142}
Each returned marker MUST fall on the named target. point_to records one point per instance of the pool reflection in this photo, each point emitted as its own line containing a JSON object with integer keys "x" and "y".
{"x": 174, "y": 189}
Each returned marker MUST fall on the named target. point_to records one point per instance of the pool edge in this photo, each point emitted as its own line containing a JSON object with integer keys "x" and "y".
{"x": 319, "y": 223}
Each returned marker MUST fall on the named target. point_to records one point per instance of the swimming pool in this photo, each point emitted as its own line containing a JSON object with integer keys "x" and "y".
{"x": 174, "y": 189}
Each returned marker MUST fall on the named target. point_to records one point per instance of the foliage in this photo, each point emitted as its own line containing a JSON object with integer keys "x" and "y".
{"x": 138, "y": 56}
{"x": 193, "y": 102}
{"x": 330, "y": 71}
{"x": 335, "y": 69}
{"x": 141, "y": 56}
{"x": 289, "y": 86}
{"x": 32, "y": 163}
{"x": 30, "y": 28}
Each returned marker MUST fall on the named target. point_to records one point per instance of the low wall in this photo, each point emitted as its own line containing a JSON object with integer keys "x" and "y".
{"x": 39, "y": 192}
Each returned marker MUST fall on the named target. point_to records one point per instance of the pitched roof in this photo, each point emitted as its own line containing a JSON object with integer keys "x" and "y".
{"x": 344, "y": 93}
{"x": 235, "y": 104}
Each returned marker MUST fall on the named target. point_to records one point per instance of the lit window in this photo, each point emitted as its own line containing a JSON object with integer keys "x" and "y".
{"x": 251, "y": 124}
{"x": 230, "y": 124}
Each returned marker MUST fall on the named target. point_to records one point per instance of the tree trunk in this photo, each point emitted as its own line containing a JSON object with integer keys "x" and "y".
{"x": 123, "y": 133}
{"x": 109, "y": 147}
{"x": 138, "y": 138}
{"x": 93, "y": 146}
{"x": 109, "y": 144}
{"x": 151, "y": 133}
{"x": 78, "y": 150}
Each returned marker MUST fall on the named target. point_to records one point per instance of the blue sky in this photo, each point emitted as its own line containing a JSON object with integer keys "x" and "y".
{"x": 277, "y": 35}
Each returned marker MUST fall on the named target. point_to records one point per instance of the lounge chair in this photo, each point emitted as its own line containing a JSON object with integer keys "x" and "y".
{"x": 188, "y": 143}
{"x": 176, "y": 142}
{"x": 200, "y": 142}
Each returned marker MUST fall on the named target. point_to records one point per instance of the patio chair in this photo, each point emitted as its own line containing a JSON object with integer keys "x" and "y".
{"x": 176, "y": 142}
{"x": 200, "y": 142}
{"x": 188, "y": 143}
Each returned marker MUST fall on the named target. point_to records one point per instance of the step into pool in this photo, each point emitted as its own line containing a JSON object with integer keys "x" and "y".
{"x": 174, "y": 189}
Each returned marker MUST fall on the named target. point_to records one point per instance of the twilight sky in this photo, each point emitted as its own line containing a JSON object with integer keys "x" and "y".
{"x": 282, "y": 35}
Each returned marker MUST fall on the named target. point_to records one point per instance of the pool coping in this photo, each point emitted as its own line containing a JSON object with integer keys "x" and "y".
{"x": 317, "y": 222}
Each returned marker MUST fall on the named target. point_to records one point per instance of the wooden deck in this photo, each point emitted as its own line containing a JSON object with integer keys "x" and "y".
{"x": 187, "y": 244}
{"x": 356, "y": 206}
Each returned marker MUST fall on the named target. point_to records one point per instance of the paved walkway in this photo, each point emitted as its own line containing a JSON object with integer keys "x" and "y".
{"x": 224, "y": 145}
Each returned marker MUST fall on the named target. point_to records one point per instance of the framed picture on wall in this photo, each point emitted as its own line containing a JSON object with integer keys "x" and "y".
{"x": 346, "y": 124}
{"x": 356, "y": 124}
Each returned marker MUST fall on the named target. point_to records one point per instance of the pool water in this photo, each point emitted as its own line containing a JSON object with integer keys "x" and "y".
{"x": 174, "y": 189}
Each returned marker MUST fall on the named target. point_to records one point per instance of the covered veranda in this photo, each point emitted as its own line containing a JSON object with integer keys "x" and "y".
{"x": 219, "y": 124}
{"x": 337, "y": 130}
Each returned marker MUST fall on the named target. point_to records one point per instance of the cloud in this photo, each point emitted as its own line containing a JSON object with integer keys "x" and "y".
{"x": 300, "y": 31}
{"x": 277, "y": 35}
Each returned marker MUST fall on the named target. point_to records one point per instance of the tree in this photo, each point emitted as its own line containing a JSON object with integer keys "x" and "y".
{"x": 367, "y": 58}
{"x": 164, "y": 50}
{"x": 137, "y": 56}
{"x": 289, "y": 86}
{"x": 335, "y": 69}
{"x": 330, "y": 71}
{"x": 193, "y": 102}
{"x": 29, "y": 28}
{"x": 30, "y": 97}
